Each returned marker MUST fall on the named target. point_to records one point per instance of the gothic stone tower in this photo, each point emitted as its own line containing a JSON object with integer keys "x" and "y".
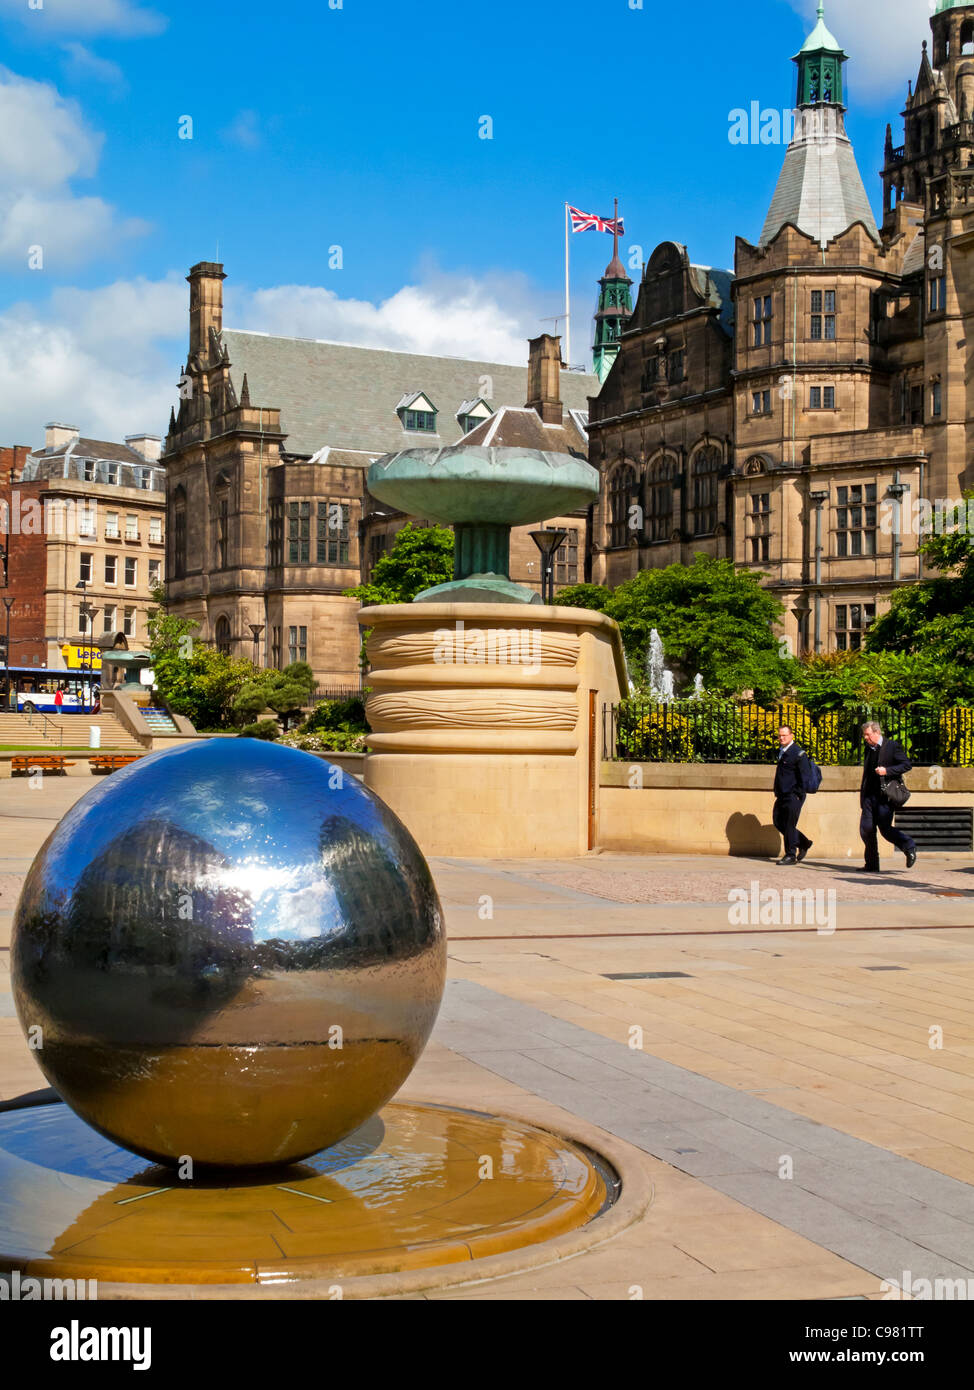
{"x": 218, "y": 454}
{"x": 930, "y": 178}
{"x": 815, "y": 457}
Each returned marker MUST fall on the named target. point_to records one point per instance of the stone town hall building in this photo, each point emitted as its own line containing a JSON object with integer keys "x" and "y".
{"x": 268, "y": 516}
{"x": 791, "y": 413}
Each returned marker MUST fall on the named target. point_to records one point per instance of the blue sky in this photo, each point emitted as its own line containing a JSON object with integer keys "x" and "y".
{"x": 359, "y": 127}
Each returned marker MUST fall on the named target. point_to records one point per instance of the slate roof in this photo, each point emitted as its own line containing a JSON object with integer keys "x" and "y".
{"x": 346, "y": 397}
{"x": 68, "y": 461}
{"x": 520, "y": 426}
{"x": 715, "y": 285}
{"x": 820, "y": 190}
{"x": 915, "y": 258}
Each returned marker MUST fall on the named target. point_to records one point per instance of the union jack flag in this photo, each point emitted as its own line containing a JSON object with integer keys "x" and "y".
{"x": 590, "y": 221}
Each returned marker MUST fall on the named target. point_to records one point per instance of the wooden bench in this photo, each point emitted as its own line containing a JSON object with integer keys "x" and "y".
{"x": 110, "y": 762}
{"x": 24, "y": 764}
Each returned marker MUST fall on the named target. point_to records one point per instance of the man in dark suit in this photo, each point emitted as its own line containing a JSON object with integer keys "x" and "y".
{"x": 789, "y": 798}
{"x": 884, "y": 758}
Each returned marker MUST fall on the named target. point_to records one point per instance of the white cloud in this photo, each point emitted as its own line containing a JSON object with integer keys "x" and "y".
{"x": 46, "y": 144}
{"x": 45, "y": 139}
{"x": 120, "y": 18}
{"x": 108, "y": 360}
{"x": 86, "y": 66}
{"x": 882, "y": 38}
{"x": 448, "y": 315}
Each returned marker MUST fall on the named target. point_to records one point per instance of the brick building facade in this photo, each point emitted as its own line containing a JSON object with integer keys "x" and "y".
{"x": 85, "y": 542}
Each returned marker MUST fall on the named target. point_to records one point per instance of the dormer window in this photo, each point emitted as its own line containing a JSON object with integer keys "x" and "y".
{"x": 473, "y": 413}
{"x": 424, "y": 420}
{"x": 417, "y": 413}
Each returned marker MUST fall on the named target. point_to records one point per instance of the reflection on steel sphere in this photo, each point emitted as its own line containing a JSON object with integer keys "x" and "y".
{"x": 233, "y": 951}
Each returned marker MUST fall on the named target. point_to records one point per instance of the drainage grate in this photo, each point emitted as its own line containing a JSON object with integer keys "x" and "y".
{"x": 652, "y": 975}
{"x": 949, "y": 829}
{"x": 884, "y": 967}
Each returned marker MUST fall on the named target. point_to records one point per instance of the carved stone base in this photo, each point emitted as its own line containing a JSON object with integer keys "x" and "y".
{"x": 484, "y": 741}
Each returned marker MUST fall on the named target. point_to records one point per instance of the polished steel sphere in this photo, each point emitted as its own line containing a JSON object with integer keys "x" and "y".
{"x": 230, "y": 952}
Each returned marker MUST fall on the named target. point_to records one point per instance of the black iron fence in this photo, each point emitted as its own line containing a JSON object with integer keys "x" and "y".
{"x": 702, "y": 731}
{"x": 337, "y": 692}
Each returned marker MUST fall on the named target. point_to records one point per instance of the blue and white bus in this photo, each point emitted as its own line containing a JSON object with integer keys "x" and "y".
{"x": 34, "y": 688}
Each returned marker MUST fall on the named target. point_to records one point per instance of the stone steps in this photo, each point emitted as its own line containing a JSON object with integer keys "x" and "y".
{"x": 52, "y": 731}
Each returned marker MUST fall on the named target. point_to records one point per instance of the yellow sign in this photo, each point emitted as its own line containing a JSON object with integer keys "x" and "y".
{"x": 78, "y": 658}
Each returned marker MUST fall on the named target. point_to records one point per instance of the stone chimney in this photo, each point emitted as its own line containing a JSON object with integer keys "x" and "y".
{"x": 148, "y": 445}
{"x": 544, "y": 378}
{"x": 56, "y": 435}
{"x": 205, "y": 304}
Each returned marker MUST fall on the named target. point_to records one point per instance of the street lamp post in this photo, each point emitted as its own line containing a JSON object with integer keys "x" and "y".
{"x": 88, "y": 616}
{"x": 548, "y": 541}
{"x": 8, "y": 603}
{"x": 256, "y": 629}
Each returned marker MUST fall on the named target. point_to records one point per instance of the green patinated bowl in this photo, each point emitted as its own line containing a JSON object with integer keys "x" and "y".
{"x": 476, "y": 485}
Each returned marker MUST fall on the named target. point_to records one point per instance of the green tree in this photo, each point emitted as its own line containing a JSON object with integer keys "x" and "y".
{"x": 852, "y": 681}
{"x": 420, "y": 558}
{"x": 592, "y": 596}
{"x": 711, "y": 617}
{"x": 194, "y": 679}
{"x": 933, "y": 619}
{"x": 285, "y": 692}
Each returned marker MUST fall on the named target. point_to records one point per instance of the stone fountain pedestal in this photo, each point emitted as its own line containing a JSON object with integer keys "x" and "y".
{"x": 487, "y": 723}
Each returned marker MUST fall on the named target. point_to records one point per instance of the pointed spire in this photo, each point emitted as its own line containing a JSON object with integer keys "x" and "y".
{"x": 615, "y": 307}
{"x": 820, "y": 191}
{"x": 821, "y": 39}
{"x": 615, "y": 270}
{"x": 172, "y": 420}
{"x": 245, "y": 393}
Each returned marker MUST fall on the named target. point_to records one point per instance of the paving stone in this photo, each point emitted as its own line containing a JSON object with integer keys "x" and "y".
{"x": 735, "y": 1142}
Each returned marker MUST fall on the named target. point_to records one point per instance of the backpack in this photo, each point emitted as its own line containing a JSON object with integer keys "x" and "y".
{"x": 810, "y": 773}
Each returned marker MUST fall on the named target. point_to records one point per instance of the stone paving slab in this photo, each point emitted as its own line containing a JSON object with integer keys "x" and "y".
{"x": 735, "y": 1142}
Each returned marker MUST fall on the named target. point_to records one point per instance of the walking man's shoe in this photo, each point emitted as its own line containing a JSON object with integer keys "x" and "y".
{"x": 803, "y": 852}
{"x": 789, "y": 859}
{"x": 911, "y": 857}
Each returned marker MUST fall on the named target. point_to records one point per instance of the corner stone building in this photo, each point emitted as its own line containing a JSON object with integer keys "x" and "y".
{"x": 269, "y": 518}
{"x": 791, "y": 414}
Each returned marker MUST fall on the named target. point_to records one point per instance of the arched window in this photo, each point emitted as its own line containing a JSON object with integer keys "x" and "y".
{"x": 967, "y": 38}
{"x": 223, "y": 637}
{"x": 659, "y": 499}
{"x": 705, "y": 472}
{"x": 221, "y": 500}
{"x": 623, "y": 496}
{"x": 179, "y": 533}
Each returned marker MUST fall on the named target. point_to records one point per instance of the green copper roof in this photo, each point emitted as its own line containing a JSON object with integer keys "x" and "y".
{"x": 820, "y": 38}
{"x": 953, "y": 5}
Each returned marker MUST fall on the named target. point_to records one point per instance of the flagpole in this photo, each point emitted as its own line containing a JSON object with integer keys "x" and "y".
{"x": 568, "y": 305}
